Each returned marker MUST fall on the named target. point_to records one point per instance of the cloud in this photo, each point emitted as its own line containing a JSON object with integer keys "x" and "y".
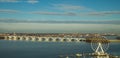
{"x": 75, "y": 8}
{"x": 8, "y": 20}
{"x": 68, "y": 7}
{"x": 62, "y": 13}
{"x": 104, "y": 13}
{"x": 76, "y": 14}
{"x": 32, "y": 1}
{"x": 9, "y": 11}
{"x": 53, "y": 13}
{"x": 13, "y": 1}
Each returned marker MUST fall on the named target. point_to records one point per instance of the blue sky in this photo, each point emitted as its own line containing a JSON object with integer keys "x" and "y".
{"x": 60, "y": 9}
{"x": 80, "y": 11}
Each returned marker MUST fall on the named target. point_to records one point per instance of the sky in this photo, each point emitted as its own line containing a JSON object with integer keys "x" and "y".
{"x": 60, "y": 16}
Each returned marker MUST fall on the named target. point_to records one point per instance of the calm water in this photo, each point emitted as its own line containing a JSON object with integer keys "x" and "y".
{"x": 28, "y": 49}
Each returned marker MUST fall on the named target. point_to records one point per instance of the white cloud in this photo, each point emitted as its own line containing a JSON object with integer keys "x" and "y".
{"x": 53, "y": 13}
{"x": 68, "y": 7}
{"x": 77, "y": 14}
{"x": 13, "y": 20}
{"x": 8, "y": 11}
{"x": 14, "y": 1}
{"x": 104, "y": 13}
{"x": 32, "y": 1}
{"x": 9, "y": 1}
{"x": 63, "y": 13}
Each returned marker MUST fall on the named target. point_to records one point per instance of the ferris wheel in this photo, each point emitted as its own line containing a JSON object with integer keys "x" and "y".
{"x": 99, "y": 45}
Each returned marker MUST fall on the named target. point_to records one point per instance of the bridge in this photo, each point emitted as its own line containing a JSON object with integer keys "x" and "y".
{"x": 52, "y": 39}
{"x": 44, "y": 39}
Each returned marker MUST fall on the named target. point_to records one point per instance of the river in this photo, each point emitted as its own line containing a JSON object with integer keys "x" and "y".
{"x": 29, "y": 49}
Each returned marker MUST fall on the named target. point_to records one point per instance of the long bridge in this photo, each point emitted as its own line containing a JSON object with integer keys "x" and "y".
{"x": 50, "y": 39}
{"x": 44, "y": 39}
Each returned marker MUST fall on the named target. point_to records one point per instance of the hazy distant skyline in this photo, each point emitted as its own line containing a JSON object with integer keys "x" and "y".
{"x": 17, "y": 15}
{"x": 59, "y": 28}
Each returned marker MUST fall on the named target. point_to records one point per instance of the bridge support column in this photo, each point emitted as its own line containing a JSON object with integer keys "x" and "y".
{"x": 14, "y": 38}
{"x": 33, "y": 38}
{"x": 6, "y": 38}
{"x": 47, "y": 39}
{"x": 54, "y": 39}
{"x": 21, "y": 38}
{"x": 26, "y": 38}
{"x": 39, "y": 39}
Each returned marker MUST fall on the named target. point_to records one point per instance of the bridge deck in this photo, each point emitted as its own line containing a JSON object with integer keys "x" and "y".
{"x": 64, "y": 39}
{"x": 115, "y": 41}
